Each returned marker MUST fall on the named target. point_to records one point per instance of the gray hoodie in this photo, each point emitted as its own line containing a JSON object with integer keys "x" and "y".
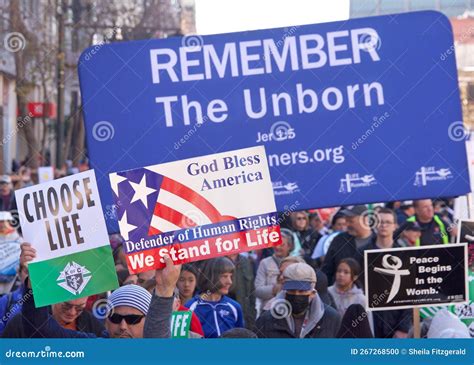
{"x": 343, "y": 300}
{"x": 270, "y": 323}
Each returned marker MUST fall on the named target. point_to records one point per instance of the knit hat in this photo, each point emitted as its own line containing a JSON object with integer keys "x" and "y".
{"x": 130, "y": 296}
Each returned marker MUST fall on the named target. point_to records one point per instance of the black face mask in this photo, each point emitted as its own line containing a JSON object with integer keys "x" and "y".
{"x": 299, "y": 303}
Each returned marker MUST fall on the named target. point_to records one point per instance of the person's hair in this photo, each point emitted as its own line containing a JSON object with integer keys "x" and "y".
{"x": 122, "y": 275}
{"x": 294, "y": 214}
{"x": 211, "y": 271}
{"x": 116, "y": 254}
{"x": 193, "y": 270}
{"x": 354, "y": 266}
{"x": 239, "y": 333}
{"x": 416, "y": 202}
{"x": 315, "y": 214}
{"x": 335, "y": 217}
{"x": 190, "y": 268}
{"x": 388, "y": 211}
{"x": 293, "y": 260}
{"x": 390, "y": 205}
{"x": 288, "y": 234}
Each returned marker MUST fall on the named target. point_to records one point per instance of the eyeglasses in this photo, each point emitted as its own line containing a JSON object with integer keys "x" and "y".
{"x": 129, "y": 318}
{"x": 66, "y": 307}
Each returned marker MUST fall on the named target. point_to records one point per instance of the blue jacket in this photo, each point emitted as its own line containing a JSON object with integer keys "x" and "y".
{"x": 217, "y": 317}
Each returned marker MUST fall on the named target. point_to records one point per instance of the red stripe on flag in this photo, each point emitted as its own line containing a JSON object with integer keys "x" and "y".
{"x": 152, "y": 231}
{"x": 173, "y": 216}
{"x": 194, "y": 198}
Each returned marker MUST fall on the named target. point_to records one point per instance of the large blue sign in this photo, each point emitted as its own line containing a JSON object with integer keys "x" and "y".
{"x": 360, "y": 111}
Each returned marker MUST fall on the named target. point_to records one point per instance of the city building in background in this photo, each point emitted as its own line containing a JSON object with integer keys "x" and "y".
{"x": 46, "y": 41}
{"x": 461, "y": 15}
{"x": 451, "y": 8}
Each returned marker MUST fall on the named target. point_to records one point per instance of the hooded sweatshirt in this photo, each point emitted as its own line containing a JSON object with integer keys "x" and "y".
{"x": 320, "y": 321}
{"x": 343, "y": 300}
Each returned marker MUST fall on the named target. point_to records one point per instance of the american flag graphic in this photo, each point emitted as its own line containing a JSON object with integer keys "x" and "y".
{"x": 149, "y": 203}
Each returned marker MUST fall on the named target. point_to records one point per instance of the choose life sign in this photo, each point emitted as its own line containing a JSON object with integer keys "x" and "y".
{"x": 63, "y": 221}
{"x": 196, "y": 209}
{"x": 360, "y": 111}
{"x": 412, "y": 277}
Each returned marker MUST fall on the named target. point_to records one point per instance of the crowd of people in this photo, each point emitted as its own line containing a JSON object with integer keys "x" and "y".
{"x": 310, "y": 286}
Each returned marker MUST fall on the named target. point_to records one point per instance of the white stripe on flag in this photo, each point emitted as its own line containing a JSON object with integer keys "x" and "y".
{"x": 163, "y": 225}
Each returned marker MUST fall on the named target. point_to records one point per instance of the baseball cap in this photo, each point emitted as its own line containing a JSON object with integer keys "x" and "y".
{"x": 410, "y": 226}
{"x": 406, "y": 204}
{"x": 5, "y": 216}
{"x": 5, "y": 179}
{"x": 354, "y": 210}
{"x": 299, "y": 276}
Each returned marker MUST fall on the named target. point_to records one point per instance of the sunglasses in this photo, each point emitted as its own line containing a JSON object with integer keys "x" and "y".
{"x": 129, "y": 318}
